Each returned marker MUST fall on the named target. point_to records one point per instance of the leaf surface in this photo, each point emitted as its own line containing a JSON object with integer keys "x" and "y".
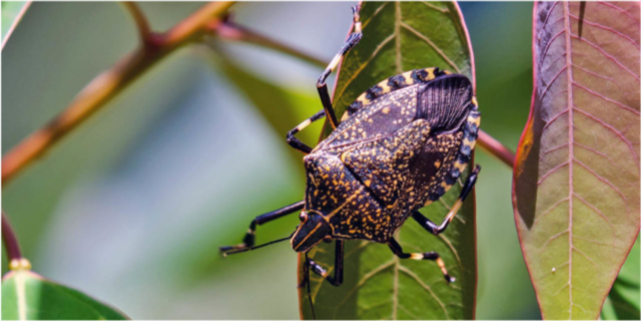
{"x": 12, "y": 12}
{"x": 623, "y": 301}
{"x": 576, "y": 181}
{"x": 28, "y": 296}
{"x": 398, "y": 37}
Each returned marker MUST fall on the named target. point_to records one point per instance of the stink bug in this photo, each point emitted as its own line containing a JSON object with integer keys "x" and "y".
{"x": 399, "y": 147}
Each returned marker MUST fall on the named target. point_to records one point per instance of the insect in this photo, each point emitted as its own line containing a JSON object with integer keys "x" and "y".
{"x": 399, "y": 147}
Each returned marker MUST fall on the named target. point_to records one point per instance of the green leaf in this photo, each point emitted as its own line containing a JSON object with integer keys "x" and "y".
{"x": 576, "y": 181}
{"x": 624, "y": 297}
{"x": 398, "y": 37}
{"x": 12, "y": 12}
{"x": 29, "y": 296}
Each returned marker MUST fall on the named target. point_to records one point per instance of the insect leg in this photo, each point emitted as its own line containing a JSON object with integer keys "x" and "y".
{"x": 353, "y": 39}
{"x": 438, "y": 229}
{"x": 337, "y": 279}
{"x": 398, "y": 251}
{"x": 295, "y": 142}
{"x": 250, "y": 237}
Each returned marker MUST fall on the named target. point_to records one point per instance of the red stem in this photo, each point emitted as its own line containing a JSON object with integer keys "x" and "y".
{"x": 495, "y": 148}
{"x": 9, "y": 239}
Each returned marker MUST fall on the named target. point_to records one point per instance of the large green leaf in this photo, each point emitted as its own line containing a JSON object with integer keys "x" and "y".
{"x": 28, "y": 296}
{"x": 12, "y": 12}
{"x": 576, "y": 182}
{"x": 623, "y": 300}
{"x": 398, "y": 37}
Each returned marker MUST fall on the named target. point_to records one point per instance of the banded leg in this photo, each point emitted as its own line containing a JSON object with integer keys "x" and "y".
{"x": 438, "y": 229}
{"x": 353, "y": 39}
{"x": 295, "y": 142}
{"x": 250, "y": 237}
{"x": 398, "y": 251}
{"x": 337, "y": 279}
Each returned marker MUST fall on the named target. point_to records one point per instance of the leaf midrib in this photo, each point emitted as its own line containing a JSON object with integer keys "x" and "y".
{"x": 568, "y": 60}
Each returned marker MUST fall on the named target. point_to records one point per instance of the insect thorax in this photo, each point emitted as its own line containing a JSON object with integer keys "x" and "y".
{"x": 398, "y": 153}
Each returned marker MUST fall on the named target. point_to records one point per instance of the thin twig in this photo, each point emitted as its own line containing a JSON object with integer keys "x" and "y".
{"x": 230, "y": 31}
{"x": 234, "y": 32}
{"x": 494, "y": 147}
{"x": 141, "y": 21}
{"x": 107, "y": 85}
{"x": 16, "y": 20}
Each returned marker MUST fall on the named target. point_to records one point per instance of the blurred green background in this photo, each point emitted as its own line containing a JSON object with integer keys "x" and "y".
{"x": 132, "y": 206}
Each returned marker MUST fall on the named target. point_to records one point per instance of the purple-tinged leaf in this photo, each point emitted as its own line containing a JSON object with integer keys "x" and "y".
{"x": 576, "y": 180}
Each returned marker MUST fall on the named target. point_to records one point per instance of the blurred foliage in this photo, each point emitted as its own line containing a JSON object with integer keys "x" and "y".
{"x": 143, "y": 193}
{"x": 623, "y": 301}
{"x": 10, "y": 12}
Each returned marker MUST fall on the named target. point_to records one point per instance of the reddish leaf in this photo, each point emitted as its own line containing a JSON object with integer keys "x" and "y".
{"x": 576, "y": 180}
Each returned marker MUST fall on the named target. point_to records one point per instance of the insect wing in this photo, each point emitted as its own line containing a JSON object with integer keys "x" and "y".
{"x": 445, "y": 102}
{"x": 381, "y": 117}
{"x": 382, "y": 165}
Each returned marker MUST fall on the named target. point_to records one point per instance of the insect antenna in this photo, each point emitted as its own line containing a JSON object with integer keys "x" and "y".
{"x": 258, "y": 246}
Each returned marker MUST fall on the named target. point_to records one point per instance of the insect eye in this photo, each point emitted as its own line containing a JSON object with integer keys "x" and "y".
{"x": 303, "y": 216}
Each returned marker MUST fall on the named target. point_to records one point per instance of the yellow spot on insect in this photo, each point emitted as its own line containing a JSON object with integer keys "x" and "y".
{"x": 385, "y": 110}
{"x": 474, "y": 101}
{"x": 363, "y": 99}
{"x": 437, "y": 164}
{"x": 368, "y": 183}
{"x": 303, "y": 125}
{"x": 416, "y": 256}
{"x": 384, "y": 86}
{"x": 460, "y": 166}
{"x": 430, "y": 73}
{"x": 447, "y": 72}
{"x": 408, "y": 78}
{"x": 345, "y": 116}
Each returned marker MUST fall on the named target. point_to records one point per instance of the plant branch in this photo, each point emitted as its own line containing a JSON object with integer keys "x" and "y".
{"x": 107, "y": 85}
{"x": 231, "y": 31}
{"x": 141, "y": 21}
{"x": 9, "y": 239}
{"x": 234, "y": 32}
{"x": 16, "y": 20}
{"x": 494, "y": 147}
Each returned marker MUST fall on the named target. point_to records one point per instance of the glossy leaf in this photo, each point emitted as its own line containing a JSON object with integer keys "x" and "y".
{"x": 28, "y": 296}
{"x": 11, "y": 14}
{"x": 576, "y": 181}
{"x": 398, "y": 37}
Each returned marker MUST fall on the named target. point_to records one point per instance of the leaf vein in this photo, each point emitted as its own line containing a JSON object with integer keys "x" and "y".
{"x": 429, "y": 42}
{"x": 426, "y": 288}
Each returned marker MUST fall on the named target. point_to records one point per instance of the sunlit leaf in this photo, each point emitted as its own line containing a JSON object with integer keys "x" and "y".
{"x": 398, "y": 37}
{"x": 12, "y": 12}
{"x": 29, "y": 296}
{"x": 576, "y": 182}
